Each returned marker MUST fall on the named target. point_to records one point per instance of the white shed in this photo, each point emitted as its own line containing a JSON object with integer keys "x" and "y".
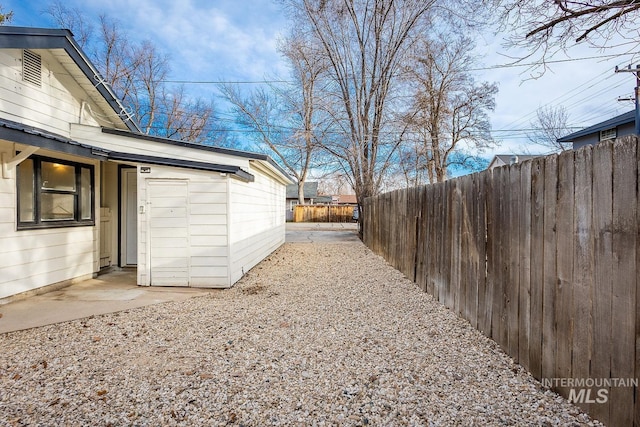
{"x": 82, "y": 189}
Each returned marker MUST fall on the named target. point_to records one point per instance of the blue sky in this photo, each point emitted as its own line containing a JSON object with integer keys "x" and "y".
{"x": 236, "y": 40}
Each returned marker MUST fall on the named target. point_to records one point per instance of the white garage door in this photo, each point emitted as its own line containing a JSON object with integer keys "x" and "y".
{"x": 169, "y": 232}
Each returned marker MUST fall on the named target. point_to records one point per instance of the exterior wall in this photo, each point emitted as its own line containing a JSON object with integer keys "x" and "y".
{"x": 31, "y": 259}
{"x": 50, "y": 107}
{"x": 207, "y": 222}
{"x": 257, "y": 221}
{"x": 594, "y": 138}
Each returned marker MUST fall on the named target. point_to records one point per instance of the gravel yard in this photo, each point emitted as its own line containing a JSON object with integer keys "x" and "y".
{"x": 317, "y": 334}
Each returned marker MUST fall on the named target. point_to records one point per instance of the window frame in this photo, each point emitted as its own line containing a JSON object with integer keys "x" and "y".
{"x": 608, "y": 134}
{"x": 38, "y": 191}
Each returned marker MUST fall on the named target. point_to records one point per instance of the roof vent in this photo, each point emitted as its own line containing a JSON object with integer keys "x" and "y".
{"x": 31, "y": 68}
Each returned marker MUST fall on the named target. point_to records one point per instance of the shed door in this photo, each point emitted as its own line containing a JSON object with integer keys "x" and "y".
{"x": 169, "y": 232}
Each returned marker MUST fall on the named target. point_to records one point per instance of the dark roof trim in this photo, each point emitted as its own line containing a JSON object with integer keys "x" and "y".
{"x": 236, "y": 171}
{"x": 45, "y": 38}
{"x": 622, "y": 119}
{"x": 27, "y": 135}
{"x": 145, "y": 137}
{"x": 219, "y": 150}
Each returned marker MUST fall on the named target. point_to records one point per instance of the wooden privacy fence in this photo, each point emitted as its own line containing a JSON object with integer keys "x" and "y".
{"x": 323, "y": 213}
{"x": 541, "y": 257}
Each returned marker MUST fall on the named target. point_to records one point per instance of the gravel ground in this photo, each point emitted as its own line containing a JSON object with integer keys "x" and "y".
{"x": 318, "y": 334}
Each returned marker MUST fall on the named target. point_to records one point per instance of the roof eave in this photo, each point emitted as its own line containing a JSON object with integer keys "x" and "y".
{"x": 46, "y": 38}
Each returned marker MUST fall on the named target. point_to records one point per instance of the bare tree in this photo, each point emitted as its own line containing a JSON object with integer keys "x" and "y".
{"x": 5, "y": 17}
{"x": 544, "y": 27}
{"x": 549, "y": 125}
{"x": 365, "y": 44}
{"x": 449, "y": 106}
{"x": 137, "y": 72}
{"x": 184, "y": 118}
{"x": 305, "y": 100}
{"x": 289, "y": 121}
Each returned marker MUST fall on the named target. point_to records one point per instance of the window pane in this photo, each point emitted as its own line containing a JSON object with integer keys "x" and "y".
{"x": 56, "y": 176}
{"x": 85, "y": 193}
{"x": 56, "y": 207}
{"x": 25, "y": 191}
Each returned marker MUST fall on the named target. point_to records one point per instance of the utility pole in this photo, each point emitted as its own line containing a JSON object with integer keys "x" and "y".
{"x": 636, "y": 71}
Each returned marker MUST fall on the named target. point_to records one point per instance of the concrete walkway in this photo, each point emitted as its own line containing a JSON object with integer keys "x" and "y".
{"x": 309, "y": 232}
{"x": 117, "y": 291}
{"x": 108, "y": 293}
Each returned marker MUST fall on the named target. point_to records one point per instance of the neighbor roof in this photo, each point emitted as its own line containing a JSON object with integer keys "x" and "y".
{"x": 622, "y": 119}
{"x": 310, "y": 190}
{"x": 54, "y": 39}
{"x": 506, "y": 158}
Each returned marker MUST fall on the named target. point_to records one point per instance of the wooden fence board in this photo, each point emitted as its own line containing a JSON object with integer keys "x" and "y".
{"x": 536, "y": 277}
{"x": 524, "y": 266}
{"x": 582, "y": 295}
{"x": 431, "y": 195}
{"x": 513, "y": 279}
{"x": 455, "y": 282}
{"x": 564, "y": 215}
{"x": 495, "y": 251}
{"x": 484, "y": 234}
{"x": 549, "y": 268}
{"x": 503, "y": 241}
{"x": 602, "y": 269}
{"x": 462, "y": 289}
{"x": 623, "y": 287}
{"x": 471, "y": 199}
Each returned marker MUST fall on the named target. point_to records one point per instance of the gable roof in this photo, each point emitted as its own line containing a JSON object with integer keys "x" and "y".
{"x": 310, "y": 190}
{"x": 506, "y": 159}
{"x": 58, "y": 41}
{"x": 622, "y": 119}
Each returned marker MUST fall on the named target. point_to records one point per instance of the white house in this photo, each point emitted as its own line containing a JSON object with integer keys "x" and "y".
{"x": 82, "y": 189}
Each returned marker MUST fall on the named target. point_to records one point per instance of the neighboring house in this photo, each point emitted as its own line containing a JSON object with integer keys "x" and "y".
{"x": 345, "y": 199}
{"x": 310, "y": 196}
{"x": 619, "y": 126}
{"x": 508, "y": 159}
{"x": 82, "y": 189}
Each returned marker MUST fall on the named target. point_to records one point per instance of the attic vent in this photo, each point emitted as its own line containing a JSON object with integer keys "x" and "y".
{"x": 608, "y": 134}
{"x": 31, "y": 68}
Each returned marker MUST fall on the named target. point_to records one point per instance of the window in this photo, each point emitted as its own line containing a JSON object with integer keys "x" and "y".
{"x": 608, "y": 134}
{"x": 54, "y": 193}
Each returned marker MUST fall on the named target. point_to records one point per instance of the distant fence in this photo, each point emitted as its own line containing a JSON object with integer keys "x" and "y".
{"x": 540, "y": 256}
{"x": 323, "y": 213}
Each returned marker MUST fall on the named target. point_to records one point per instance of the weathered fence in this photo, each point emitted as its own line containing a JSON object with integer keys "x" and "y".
{"x": 542, "y": 257}
{"x": 322, "y": 213}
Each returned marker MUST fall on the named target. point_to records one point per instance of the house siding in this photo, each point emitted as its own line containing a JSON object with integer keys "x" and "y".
{"x": 31, "y": 259}
{"x": 594, "y": 138}
{"x": 257, "y": 221}
{"x": 207, "y": 224}
{"x": 52, "y": 106}
{"x": 69, "y": 104}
